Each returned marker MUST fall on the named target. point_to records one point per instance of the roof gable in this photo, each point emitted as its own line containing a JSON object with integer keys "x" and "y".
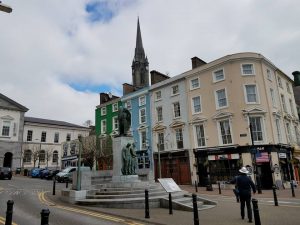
{"x": 7, "y": 103}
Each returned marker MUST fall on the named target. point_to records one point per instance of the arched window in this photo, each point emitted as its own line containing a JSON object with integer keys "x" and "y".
{"x": 55, "y": 157}
{"x": 42, "y": 156}
{"x": 27, "y": 156}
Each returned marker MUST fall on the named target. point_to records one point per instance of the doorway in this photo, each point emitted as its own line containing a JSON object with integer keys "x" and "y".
{"x": 7, "y": 159}
{"x": 265, "y": 173}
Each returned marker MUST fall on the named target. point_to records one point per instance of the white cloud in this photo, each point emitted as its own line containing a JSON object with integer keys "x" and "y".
{"x": 46, "y": 44}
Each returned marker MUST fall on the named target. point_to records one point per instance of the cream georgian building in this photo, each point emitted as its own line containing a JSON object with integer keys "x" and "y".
{"x": 242, "y": 112}
{"x": 43, "y": 138}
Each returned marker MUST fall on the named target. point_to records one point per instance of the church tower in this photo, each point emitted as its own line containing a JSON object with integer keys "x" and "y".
{"x": 140, "y": 65}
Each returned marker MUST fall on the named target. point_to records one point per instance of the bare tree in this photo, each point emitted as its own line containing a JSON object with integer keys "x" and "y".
{"x": 105, "y": 153}
{"x": 89, "y": 151}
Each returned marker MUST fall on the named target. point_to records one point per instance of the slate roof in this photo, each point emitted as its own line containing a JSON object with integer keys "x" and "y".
{"x": 51, "y": 122}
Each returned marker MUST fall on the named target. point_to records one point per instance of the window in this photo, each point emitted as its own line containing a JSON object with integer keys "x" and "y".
{"x": 143, "y": 115}
{"x": 288, "y": 130}
{"x": 247, "y": 69}
{"x": 159, "y": 114}
{"x": 257, "y": 133}
{"x": 161, "y": 141}
{"x": 175, "y": 90}
{"x": 158, "y": 95}
{"x": 176, "y": 108}
{"x": 115, "y": 107}
{"x": 251, "y": 94}
{"x": 288, "y": 87}
{"x": 103, "y": 126}
{"x": 273, "y": 97}
{"x": 292, "y": 107}
{"x": 195, "y": 83}
{"x": 196, "y": 104}
{"x": 115, "y": 123}
{"x": 200, "y": 135}
{"x": 55, "y": 157}
{"x": 5, "y": 128}
{"x": 27, "y": 156}
{"x": 103, "y": 111}
{"x": 179, "y": 138}
{"x": 279, "y": 82}
{"x": 283, "y": 103}
{"x": 143, "y": 138}
{"x": 42, "y": 156}
{"x": 56, "y": 137}
{"x": 43, "y": 136}
{"x": 224, "y": 127}
{"x": 278, "y": 129}
{"x": 218, "y": 75}
{"x": 29, "y": 135}
{"x": 269, "y": 75}
{"x": 297, "y": 134}
{"x": 142, "y": 100}
{"x": 221, "y": 99}
{"x": 128, "y": 104}
{"x": 68, "y": 138}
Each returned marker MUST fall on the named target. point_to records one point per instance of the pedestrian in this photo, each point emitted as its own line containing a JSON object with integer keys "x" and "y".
{"x": 244, "y": 185}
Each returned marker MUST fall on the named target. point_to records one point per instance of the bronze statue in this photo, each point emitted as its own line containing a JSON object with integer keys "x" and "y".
{"x": 124, "y": 119}
{"x": 129, "y": 160}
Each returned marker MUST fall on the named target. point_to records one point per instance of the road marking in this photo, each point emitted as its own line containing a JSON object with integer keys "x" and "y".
{"x": 41, "y": 196}
{"x": 2, "y": 221}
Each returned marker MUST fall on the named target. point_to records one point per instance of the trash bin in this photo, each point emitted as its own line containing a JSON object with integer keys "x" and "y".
{"x": 25, "y": 172}
{"x": 18, "y": 170}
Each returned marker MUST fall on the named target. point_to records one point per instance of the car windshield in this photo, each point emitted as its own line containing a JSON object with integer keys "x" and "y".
{"x": 67, "y": 170}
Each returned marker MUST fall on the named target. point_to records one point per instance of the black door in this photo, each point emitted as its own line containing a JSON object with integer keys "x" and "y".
{"x": 265, "y": 173}
{"x": 7, "y": 159}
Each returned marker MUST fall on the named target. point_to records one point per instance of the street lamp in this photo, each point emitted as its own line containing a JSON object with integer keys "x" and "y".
{"x": 5, "y": 8}
{"x": 78, "y": 180}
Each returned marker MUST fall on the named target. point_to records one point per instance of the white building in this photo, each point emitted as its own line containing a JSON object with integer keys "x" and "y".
{"x": 42, "y": 141}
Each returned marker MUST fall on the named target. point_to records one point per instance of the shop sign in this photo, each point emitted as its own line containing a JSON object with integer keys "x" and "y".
{"x": 223, "y": 157}
{"x": 282, "y": 155}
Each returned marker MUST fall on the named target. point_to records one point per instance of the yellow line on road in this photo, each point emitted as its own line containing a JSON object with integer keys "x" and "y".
{"x": 41, "y": 196}
{"x": 2, "y": 221}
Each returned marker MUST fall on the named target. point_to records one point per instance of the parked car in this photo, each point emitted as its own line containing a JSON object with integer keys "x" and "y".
{"x": 5, "y": 172}
{"x": 66, "y": 174}
{"x": 35, "y": 172}
{"x": 44, "y": 173}
{"x": 49, "y": 174}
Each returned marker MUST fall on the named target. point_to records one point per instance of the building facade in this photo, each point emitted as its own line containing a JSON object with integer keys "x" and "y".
{"x": 11, "y": 133}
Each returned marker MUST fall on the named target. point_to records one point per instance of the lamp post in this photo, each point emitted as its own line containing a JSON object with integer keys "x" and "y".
{"x": 78, "y": 180}
{"x": 5, "y": 8}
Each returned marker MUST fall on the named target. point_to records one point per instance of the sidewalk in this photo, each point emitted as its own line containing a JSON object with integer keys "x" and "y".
{"x": 225, "y": 213}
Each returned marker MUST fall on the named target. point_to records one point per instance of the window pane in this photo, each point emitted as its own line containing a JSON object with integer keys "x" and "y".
{"x": 251, "y": 93}
{"x": 222, "y": 101}
{"x": 248, "y": 69}
{"x": 197, "y": 104}
{"x": 219, "y": 75}
{"x": 225, "y": 132}
{"x": 256, "y": 128}
{"x": 200, "y": 135}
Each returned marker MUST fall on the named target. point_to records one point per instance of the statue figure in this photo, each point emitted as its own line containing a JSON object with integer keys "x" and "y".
{"x": 128, "y": 159}
{"x": 124, "y": 119}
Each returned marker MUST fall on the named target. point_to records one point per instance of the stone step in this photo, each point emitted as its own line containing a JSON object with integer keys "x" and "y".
{"x": 118, "y": 195}
{"x": 126, "y": 192}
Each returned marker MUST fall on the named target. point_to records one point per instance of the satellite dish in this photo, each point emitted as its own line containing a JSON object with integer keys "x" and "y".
{"x": 109, "y": 95}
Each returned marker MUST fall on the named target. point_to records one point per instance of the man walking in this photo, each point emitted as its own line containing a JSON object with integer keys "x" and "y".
{"x": 244, "y": 185}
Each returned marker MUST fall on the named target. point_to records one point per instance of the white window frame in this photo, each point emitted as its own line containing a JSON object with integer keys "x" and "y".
{"x": 56, "y": 137}
{"x": 161, "y": 141}
{"x": 103, "y": 111}
{"x": 214, "y": 74}
{"x": 283, "y": 103}
{"x": 288, "y": 88}
{"x": 175, "y": 89}
{"x": 220, "y": 131}
{"x": 247, "y": 74}
{"x": 217, "y": 99}
{"x": 193, "y": 105}
{"x": 115, "y": 107}
{"x": 272, "y": 93}
{"x": 256, "y": 94}
{"x": 279, "y": 81}
{"x": 143, "y": 139}
{"x": 278, "y": 129}
{"x": 200, "y": 141}
{"x": 115, "y": 123}
{"x": 192, "y": 85}
{"x": 103, "y": 126}
{"x": 29, "y": 136}
{"x": 179, "y": 137}
{"x": 255, "y": 131}
{"x": 288, "y": 131}
{"x": 7, "y": 126}
{"x": 158, "y": 115}
{"x": 292, "y": 107}
{"x": 142, "y": 100}
{"x": 176, "y": 110}
{"x": 157, "y": 95}
{"x": 142, "y": 116}
{"x": 269, "y": 74}
{"x": 55, "y": 157}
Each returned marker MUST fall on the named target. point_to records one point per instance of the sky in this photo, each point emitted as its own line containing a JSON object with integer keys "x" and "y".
{"x": 57, "y": 56}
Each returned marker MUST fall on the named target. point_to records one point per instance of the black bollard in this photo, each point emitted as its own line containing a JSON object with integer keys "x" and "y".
{"x": 67, "y": 184}
{"x": 170, "y": 204}
{"x": 196, "y": 186}
{"x": 293, "y": 190}
{"x": 9, "y": 212}
{"x": 53, "y": 190}
{"x": 45, "y": 217}
{"x": 147, "y": 204}
{"x": 195, "y": 209}
{"x": 256, "y": 212}
{"x": 219, "y": 184}
{"x": 275, "y": 196}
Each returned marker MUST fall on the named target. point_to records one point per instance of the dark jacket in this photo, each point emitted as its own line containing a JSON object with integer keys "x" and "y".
{"x": 244, "y": 185}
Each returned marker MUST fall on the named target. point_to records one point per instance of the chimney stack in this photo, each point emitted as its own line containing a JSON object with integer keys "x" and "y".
{"x": 196, "y": 62}
{"x": 296, "y": 75}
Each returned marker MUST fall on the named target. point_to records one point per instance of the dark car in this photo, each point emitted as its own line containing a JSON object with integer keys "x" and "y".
{"x": 5, "y": 172}
{"x": 51, "y": 174}
{"x": 43, "y": 173}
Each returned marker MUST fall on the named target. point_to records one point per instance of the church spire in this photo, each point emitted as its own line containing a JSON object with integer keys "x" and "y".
{"x": 140, "y": 70}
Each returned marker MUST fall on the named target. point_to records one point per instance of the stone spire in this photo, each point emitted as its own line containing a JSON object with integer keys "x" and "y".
{"x": 140, "y": 70}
